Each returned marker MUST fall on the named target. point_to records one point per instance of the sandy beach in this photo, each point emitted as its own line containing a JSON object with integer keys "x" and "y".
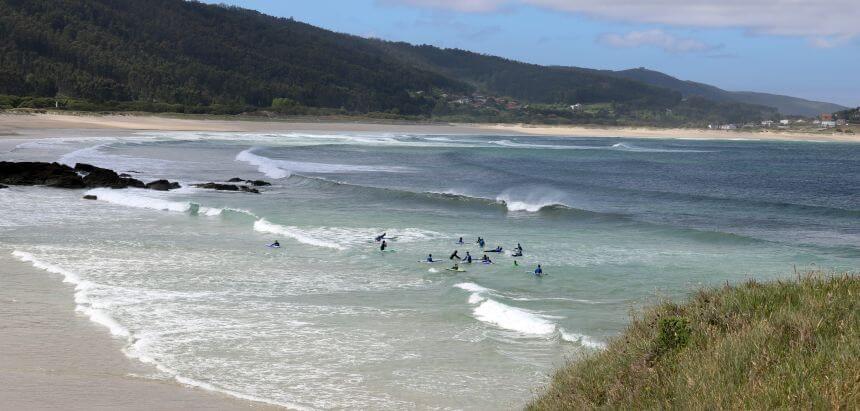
{"x": 44, "y": 125}
{"x": 54, "y": 358}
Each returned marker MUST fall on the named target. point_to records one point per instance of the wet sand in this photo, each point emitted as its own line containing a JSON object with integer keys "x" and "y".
{"x": 22, "y": 126}
{"x": 56, "y": 359}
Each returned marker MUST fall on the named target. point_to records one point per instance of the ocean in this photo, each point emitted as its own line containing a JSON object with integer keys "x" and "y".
{"x": 328, "y": 321}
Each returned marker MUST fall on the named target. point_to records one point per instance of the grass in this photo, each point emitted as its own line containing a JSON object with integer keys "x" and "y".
{"x": 784, "y": 344}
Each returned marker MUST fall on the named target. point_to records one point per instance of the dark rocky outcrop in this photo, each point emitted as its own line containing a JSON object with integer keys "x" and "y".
{"x": 162, "y": 185}
{"x": 39, "y": 173}
{"x": 2, "y": 186}
{"x": 90, "y": 197}
{"x": 217, "y": 186}
{"x": 258, "y": 183}
{"x": 227, "y": 187}
{"x": 102, "y": 177}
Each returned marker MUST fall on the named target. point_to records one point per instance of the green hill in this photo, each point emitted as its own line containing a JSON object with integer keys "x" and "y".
{"x": 175, "y": 55}
{"x": 777, "y": 345}
{"x": 785, "y": 104}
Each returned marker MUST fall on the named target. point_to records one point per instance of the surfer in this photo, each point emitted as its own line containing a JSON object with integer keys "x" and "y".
{"x": 456, "y": 267}
{"x": 519, "y": 248}
{"x": 518, "y": 252}
{"x": 498, "y": 249}
{"x": 383, "y": 246}
{"x": 275, "y": 244}
{"x": 379, "y": 237}
{"x": 460, "y": 241}
{"x": 454, "y": 255}
{"x": 468, "y": 258}
{"x": 430, "y": 258}
{"x": 516, "y": 264}
{"x": 486, "y": 260}
{"x": 480, "y": 242}
{"x": 538, "y": 271}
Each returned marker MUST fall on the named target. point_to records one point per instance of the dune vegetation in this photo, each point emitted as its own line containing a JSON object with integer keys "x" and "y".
{"x": 783, "y": 344}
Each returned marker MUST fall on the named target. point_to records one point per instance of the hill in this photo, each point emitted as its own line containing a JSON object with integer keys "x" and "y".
{"x": 174, "y": 55}
{"x": 189, "y": 53}
{"x": 785, "y": 104}
{"x": 777, "y": 345}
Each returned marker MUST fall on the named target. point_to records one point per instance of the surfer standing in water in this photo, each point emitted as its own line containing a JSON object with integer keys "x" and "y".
{"x": 383, "y": 246}
{"x": 538, "y": 271}
{"x": 455, "y": 255}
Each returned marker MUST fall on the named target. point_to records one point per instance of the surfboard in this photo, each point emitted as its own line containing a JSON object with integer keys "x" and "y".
{"x": 458, "y": 271}
{"x": 273, "y": 246}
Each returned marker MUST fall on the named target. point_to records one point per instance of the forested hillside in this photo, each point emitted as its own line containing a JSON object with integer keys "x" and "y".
{"x": 785, "y": 104}
{"x": 190, "y": 53}
{"x": 175, "y": 55}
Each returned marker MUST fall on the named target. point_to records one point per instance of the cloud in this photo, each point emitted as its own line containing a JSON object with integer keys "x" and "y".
{"x": 654, "y": 38}
{"x": 815, "y": 19}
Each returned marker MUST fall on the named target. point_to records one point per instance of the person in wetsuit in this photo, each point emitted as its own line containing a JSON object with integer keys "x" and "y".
{"x": 468, "y": 258}
{"x": 454, "y": 255}
{"x": 383, "y": 246}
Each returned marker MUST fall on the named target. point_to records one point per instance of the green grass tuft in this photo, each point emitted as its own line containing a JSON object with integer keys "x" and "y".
{"x": 782, "y": 344}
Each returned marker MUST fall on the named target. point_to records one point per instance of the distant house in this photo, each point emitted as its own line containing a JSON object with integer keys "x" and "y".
{"x": 784, "y": 121}
{"x": 576, "y": 107}
{"x": 826, "y": 117}
{"x": 767, "y": 123}
{"x": 841, "y": 122}
{"x": 828, "y": 123}
{"x": 816, "y": 121}
{"x": 728, "y": 127}
{"x": 800, "y": 121}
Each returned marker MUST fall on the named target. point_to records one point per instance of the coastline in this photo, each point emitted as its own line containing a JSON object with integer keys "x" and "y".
{"x": 55, "y": 358}
{"x": 23, "y": 126}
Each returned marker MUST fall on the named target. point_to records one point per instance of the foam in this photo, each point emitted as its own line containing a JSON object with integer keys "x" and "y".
{"x": 630, "y": 147}
{"x": 264, "y": 226}
{"x": 504, "y": 316}
{"x": 82, "y": 300}
{"x": 284, "y": 168}
{"x": 128, "y": 198}
{"x": 135, "y": 349}
{"x": 582, "y": 339}
{"x": 511, "y": 144}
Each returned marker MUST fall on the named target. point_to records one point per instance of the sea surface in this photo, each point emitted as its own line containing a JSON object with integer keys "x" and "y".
{"x": 328, "y": 321}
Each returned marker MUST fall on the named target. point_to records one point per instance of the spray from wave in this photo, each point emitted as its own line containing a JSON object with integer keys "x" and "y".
{"x": 532, "y": 199}
{"x": 503, "y": 316}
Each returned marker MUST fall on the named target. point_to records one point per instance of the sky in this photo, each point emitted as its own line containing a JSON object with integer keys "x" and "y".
{"x": 802, "y": 48}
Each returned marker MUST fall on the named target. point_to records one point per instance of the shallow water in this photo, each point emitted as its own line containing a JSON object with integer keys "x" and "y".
{"x": 329, "y": 321}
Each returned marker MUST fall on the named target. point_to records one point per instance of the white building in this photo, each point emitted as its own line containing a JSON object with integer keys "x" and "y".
{"x": 784, "y": 121}
{"x": 767, "y": 123}
{"x": 828, "y": 123}
{"x": 728, "y": 127}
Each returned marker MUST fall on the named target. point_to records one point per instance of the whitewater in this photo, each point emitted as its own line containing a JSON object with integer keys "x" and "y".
{"x": 184, "y": 280}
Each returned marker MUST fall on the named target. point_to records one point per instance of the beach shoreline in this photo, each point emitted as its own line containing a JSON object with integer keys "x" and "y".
{"x": 56, "y": 358}
{"x": 42, "y": 125}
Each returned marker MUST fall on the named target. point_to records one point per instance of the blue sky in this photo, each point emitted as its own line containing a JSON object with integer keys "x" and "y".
{"x": 808, "y": 49}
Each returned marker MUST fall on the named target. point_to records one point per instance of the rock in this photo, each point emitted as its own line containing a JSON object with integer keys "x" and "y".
{"x": 39, "y": 173}
{"x": 124, "y": 175}
{"x": 258, "y": 183}
{"x": 2, "y": 186}
{"x": 90, "y": 197}
{"x": 86, "y": 168}
{"x": 216, "y": 186}
{"x": 102, "y": 177}
{"x": 235, "y": 180}
{"x": 162, "y": 185}
{"x": 249, "y": 190}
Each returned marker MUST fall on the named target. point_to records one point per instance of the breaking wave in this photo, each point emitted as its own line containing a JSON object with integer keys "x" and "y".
{"x": 284, "y": 168}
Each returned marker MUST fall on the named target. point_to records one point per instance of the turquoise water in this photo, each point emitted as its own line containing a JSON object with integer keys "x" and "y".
{"x": 329, "y": 321}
